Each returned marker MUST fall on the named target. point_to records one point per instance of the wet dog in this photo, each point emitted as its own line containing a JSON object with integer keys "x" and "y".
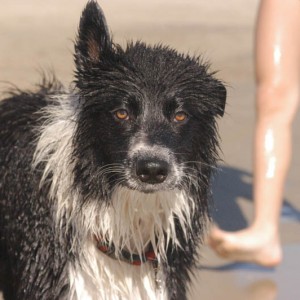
{"x": 104, "y": 188}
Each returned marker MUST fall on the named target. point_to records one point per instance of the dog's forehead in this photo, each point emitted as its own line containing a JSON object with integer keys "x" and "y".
{"x": 162, "y": 64}
{"x": 163, "y": 82}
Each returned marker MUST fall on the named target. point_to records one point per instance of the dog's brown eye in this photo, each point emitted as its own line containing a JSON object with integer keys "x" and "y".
{"x": 180, "y": 116}
{"x": 122, "y": 114}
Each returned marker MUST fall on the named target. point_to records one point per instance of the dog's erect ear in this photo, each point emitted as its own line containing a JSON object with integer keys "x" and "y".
{"x": 220, "y": 94}
{"x": 93, "y": 39}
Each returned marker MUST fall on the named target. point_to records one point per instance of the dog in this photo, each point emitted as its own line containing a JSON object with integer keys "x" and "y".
{"x": 105, "y": 187}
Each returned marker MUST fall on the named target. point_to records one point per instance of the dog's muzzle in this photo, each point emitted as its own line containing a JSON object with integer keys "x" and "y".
{"x": 151, "y": 168}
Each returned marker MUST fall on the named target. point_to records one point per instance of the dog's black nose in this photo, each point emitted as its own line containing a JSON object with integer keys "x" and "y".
{"x": 152, "y": 171}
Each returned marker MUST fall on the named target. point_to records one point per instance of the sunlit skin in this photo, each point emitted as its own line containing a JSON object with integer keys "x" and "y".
{"x": 277, "y": 99}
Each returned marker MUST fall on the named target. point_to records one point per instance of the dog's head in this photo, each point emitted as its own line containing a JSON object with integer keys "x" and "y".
{"x": 147, "y": 118}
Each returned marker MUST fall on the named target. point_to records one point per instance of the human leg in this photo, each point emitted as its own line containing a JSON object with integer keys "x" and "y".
{"x": 277, "y": 98}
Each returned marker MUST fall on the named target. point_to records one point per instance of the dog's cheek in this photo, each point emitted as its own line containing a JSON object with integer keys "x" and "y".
{"x": 193, "y": 140}
{"x": 183, "y": 137}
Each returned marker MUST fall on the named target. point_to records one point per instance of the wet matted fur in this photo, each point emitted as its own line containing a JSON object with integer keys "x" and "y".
{"x": 123, "y": 159}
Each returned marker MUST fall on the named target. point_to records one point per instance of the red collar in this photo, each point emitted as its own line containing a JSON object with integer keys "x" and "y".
{"x": 130, "y": 258}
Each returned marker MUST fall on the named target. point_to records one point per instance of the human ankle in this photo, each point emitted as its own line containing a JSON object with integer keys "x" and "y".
{"x": 265, "y": 228}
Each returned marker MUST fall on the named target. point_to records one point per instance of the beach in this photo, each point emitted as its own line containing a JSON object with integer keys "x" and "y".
{"x": 37, "y": 36}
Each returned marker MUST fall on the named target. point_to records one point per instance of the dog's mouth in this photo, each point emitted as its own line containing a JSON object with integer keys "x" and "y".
{"x": 153, "y": 187}
{"x": 146, "y": 188}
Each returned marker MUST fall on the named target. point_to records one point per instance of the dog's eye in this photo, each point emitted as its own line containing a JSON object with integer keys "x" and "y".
{"x": 122, "y": 114}
{"x": 180, "y": 116}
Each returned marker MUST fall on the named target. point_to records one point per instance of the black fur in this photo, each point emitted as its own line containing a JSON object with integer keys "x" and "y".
{"x": 151, "y": 83}
{"x": 29, "y": 251}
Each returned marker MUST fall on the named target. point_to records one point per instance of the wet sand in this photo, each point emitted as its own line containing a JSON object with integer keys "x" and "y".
{"x": 37, "y": 35}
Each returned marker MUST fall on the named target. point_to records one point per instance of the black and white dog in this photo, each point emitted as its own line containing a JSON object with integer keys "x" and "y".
{"x": 104, "y": 189}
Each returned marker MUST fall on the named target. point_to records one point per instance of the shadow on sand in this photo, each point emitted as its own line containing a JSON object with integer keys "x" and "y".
{"x": 231, "y": 184}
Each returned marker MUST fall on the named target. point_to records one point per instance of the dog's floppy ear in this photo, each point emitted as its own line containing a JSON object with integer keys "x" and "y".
{"x": 219, "y": 94}
{"x": 93, "y": 39}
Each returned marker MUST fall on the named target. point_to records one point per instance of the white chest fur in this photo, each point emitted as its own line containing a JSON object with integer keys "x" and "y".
{"x": 132, "y": 221}
{"x": 99, "y": 277}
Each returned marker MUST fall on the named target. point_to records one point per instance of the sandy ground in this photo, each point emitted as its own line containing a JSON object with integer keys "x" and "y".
{"x": 36, "y": 35}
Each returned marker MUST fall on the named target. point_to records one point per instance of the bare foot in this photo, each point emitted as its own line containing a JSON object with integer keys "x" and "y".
{"x": 250, "y": 245}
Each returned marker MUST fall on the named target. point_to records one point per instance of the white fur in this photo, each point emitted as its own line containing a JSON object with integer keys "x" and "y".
{"x": 100, "y": 277}
{"x": 131, "y": 221}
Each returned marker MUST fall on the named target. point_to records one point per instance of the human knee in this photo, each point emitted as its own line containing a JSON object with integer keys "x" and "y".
{"x": 278, "y": 100}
